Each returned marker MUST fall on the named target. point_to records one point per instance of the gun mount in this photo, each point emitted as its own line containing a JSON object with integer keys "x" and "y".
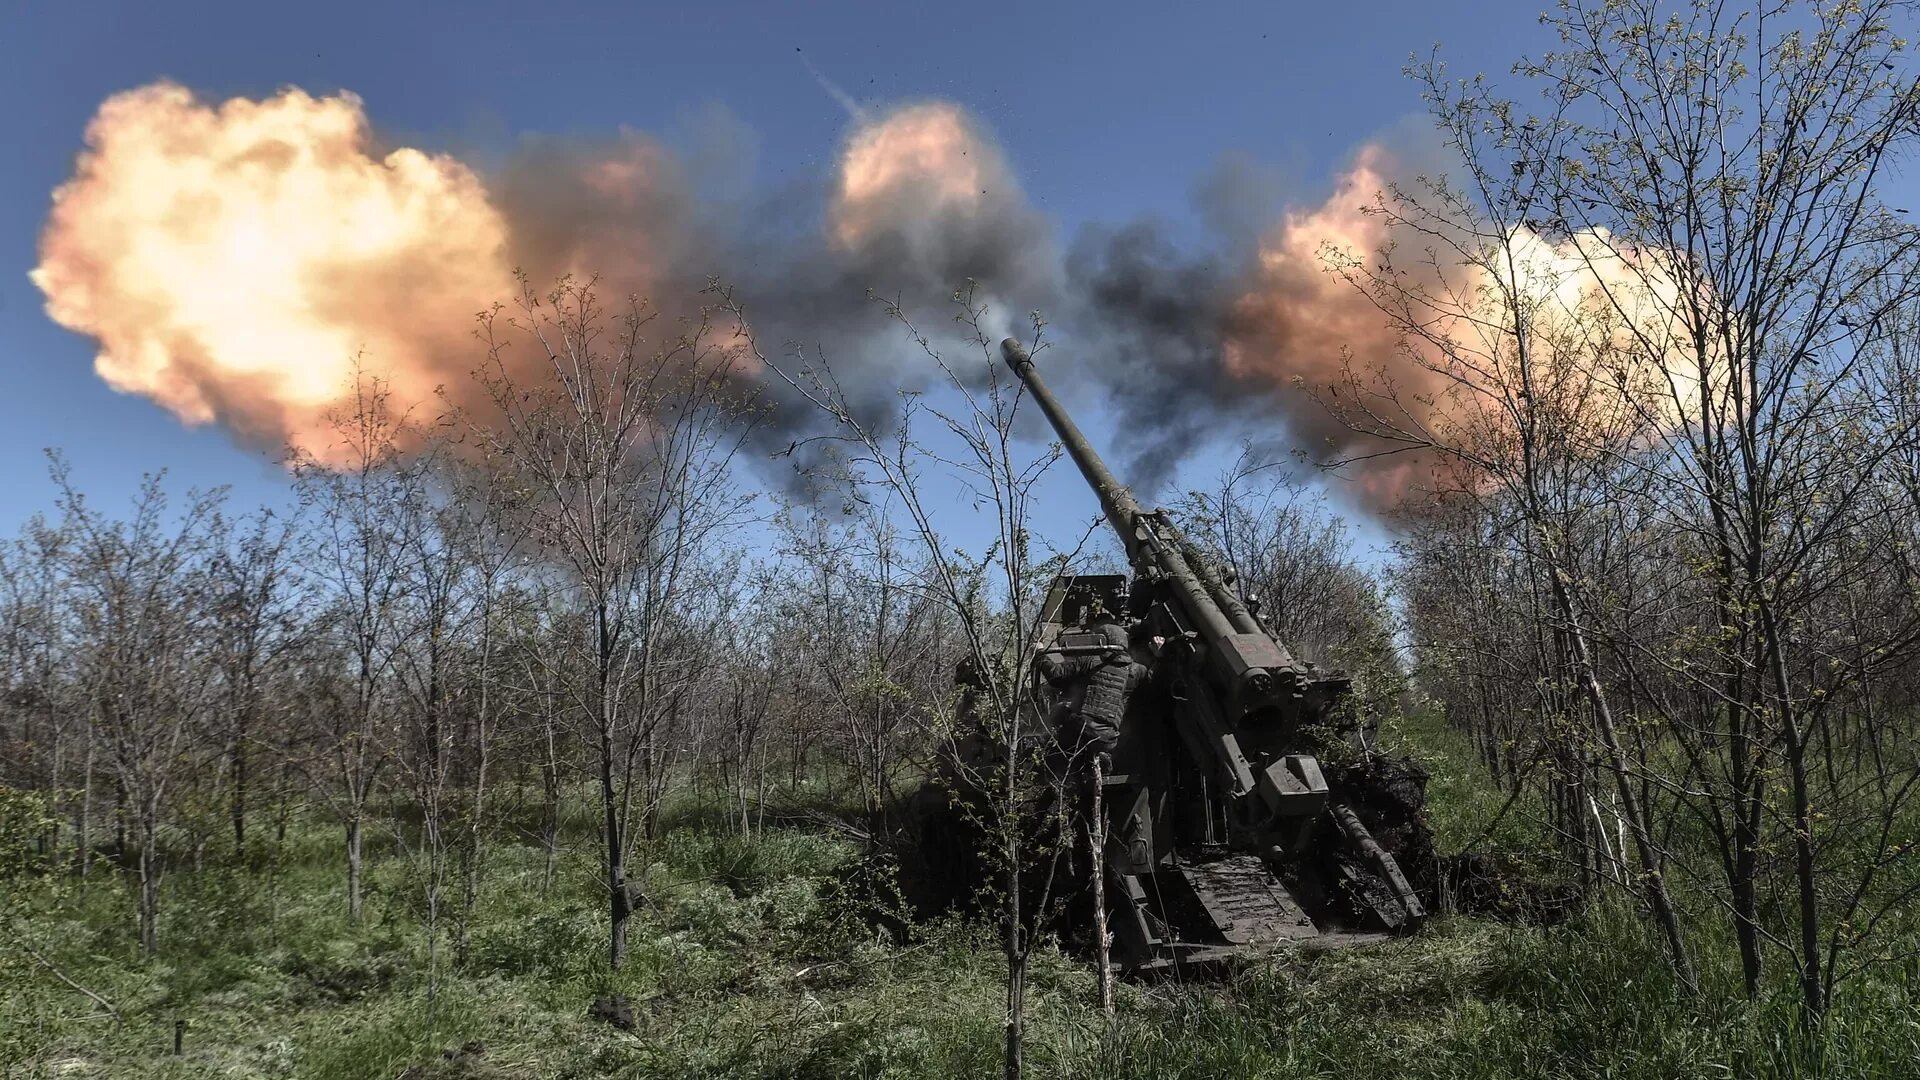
{"x": 1224, "y": 832}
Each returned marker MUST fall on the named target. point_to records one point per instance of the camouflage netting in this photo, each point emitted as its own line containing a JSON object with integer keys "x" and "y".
{"x": 1389, "y": 793}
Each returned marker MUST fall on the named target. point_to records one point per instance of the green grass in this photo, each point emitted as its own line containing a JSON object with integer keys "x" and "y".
{"x": 750, "y": 959}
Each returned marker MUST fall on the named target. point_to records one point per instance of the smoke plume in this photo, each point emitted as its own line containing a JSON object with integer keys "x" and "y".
{"x": 235, "y": 261}
{"x": 1264, "y": 334}
{"x": 1248, "y": 333}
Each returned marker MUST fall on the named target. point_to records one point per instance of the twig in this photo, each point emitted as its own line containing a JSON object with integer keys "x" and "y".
{"x": 65, "y": 978}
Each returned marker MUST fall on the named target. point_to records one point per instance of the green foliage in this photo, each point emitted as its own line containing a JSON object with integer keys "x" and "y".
{"x": 1463, "y": 809}
{"x": 552, "y": 944}
{"x": 745, "y": 864}
{"x": 26, "y": 822}
{"x": 763, "y": 956}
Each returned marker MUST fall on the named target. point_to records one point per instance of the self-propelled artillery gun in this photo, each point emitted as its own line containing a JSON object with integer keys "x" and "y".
{"x": 1241, "y": 802}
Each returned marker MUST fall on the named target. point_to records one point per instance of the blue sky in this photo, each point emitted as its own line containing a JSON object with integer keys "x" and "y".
{"x": 1107, "y": 112}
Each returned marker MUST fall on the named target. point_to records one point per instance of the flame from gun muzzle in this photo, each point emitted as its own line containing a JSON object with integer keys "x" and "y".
{"x": 1601, "y": 319}
{"x": 233, "y": 261}
{"x": 238, "y": 262}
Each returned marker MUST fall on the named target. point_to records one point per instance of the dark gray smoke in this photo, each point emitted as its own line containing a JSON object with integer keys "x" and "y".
{"x": 1248, "y": 334}
{"x": 1235, "y": 335}
{"x": 921, "y": 204}
{"x": 1151, "y": 322}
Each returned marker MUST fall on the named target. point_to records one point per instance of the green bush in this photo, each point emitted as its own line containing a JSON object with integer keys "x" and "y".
{"x": 777, "y": 956}
{"x": 550, "y": 944}
{"x": 746, "y": 864}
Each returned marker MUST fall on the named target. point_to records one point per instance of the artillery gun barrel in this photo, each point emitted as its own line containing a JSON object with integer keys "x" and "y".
{"x": 1118, "y": 503}
{"x": 1115, "y": 499}
{"x": 1137, "y": 529}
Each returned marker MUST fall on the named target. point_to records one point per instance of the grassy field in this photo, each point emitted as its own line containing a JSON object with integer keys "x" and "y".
{"x": 750, "y": 959}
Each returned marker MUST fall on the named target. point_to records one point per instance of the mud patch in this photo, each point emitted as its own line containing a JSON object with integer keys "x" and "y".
{"x": 614, "y": 1009}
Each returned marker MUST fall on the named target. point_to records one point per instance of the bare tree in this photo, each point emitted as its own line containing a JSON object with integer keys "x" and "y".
{"x": 358, "y": 555}
{"x": 36, "y": 681}
{"x": 255, "y": 597}
{"x": 873, "y": 644}
{"x": 486, "y": 534}
{"x": 428, "y": 666}
{"x": 1528, "y": 409}
{"x": 139, "y": 606}
{"x": 1690, "y": 446}
{"x": 622, "y": 449}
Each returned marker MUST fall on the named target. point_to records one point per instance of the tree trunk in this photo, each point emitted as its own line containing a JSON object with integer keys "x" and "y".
{"x": 1813, "y": 994}
{"x": 549, "y": 823}
{"x": 1812, "y": 988}
{"x": 50, "y": 840}
{"x": 1014, "y": 939}
{"x": 474, "y": 850}
{"x": 120, "y": 823}
{"x": 620, "y": 903}
{"x": 1746, "y": 825}
{"x": 238, "y": 804}
{"x": 1097, "y": 848}
{"x": 149, "y": 887}
{"x": 436, "y": 876}
{"x": 1654, "y": 881}
{"x": 83, "y": 816}
{"x": 1012, "y": 1062}
{"x": 550, "y": 796}
{"x": 283, "y": 808}
{"x": 354, "y": 902}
